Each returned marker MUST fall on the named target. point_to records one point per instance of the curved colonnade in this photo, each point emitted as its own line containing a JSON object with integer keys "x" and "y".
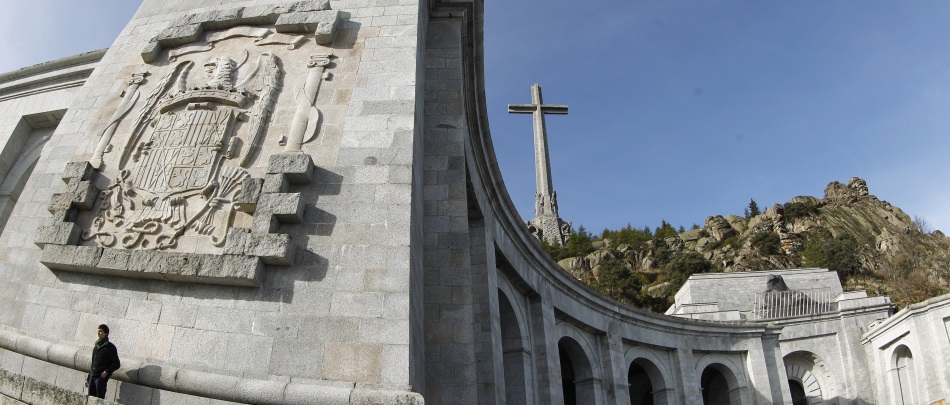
{"x": 561, "y": 341}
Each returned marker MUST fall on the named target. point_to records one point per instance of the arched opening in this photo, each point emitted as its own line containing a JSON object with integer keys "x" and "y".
{"x": 567, "y": 377}
{"x": 516, "y": 356}
{"x": 577, "y": 380}
{"x": 648, "y": 378}
{"x": 903, "y": 368}
{"x": 641, "y": 387}
{"x": 798, "y": 392}
{"x": 809, "y": 378}
{"x": 715, "y": 387}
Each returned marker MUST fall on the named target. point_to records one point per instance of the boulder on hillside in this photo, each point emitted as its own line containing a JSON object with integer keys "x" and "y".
{"x": 598, "y": 257}
{"x": 886, "y": 241}
{"x": 736, "y": 222}
{"x": 859, "y": 186}
{"x": 802, "y": 225}
{"x": 623, "y": 248}
{"x": 674, "y": 242}
{"x": 837, "y": 192}
{"x": 691, "y": 235}
{"x": 807, "y": 200}
{"x": 775, "y": 212}
{"x": 577, "y": 266}
{"x": 719, "y": 228}
{"x": 765, "y": 220}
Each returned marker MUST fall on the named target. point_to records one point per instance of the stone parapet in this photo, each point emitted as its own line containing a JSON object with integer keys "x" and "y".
{"x": 148, "y": 373}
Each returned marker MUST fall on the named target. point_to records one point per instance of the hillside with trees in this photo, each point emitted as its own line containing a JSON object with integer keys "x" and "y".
{"x": 871, "y": 244}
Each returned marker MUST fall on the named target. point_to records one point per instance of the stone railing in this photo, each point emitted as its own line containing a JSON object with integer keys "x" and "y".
{"x": 784, "y": 304}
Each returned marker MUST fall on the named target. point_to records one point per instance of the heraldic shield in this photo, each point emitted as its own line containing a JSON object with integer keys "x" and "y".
{"x": 195, "y": 138}
{"x": 173, "y": 178}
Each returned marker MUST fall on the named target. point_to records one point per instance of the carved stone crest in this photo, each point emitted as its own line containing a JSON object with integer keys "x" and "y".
{"x": 182, "y": 167}
{"x": 181, "y": 150}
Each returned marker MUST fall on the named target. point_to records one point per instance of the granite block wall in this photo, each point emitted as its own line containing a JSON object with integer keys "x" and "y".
{"x": 735, "y": 291}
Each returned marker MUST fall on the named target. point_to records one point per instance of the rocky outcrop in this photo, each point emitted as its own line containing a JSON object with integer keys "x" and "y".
{"x": 719, "y": 228}
{"x": 855, "y": 189}
{"x": 890, "y": 245}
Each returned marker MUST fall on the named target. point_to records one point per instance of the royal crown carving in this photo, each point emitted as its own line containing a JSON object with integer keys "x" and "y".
{"x": 182, "y": 151}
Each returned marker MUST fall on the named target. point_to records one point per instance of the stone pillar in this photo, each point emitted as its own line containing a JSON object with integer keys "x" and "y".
{"x": 692, "y": 391}
{"x": 457, "y": 325}
{"x": 766, "y": 370}
{"x": 857, "y": 380}
{"x": 544, "y": 337}
{"x": 615, "y": 368}
{"x": 488, "y": 339}
{"x": 590, "y": 387}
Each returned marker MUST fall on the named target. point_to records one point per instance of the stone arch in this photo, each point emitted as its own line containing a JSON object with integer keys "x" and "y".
{"x": 902, "y": 375}
{"x": 810, "y": 377}
{"x": 721, "y": 381}
{"x": 580, "y": 374}
{"x": 516, "y": 352}
{"x": 655, "y": 370}
{"x": 518, "y": 308}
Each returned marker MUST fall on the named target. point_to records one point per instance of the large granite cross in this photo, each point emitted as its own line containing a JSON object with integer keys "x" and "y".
{"x": 546, "y": 216}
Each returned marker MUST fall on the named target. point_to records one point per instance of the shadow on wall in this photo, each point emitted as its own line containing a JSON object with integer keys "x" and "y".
{"x": 133, "y": 394}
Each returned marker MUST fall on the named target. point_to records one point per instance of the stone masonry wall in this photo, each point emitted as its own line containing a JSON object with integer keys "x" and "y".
{"x": 448, "y": 297}
{"x": 735, "y": 291}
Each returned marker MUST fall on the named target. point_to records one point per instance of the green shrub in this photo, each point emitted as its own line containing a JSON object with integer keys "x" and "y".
{"x": 839, "y": 254}
{"x": 580, "y": 243}
{"x": 662, "y": 256}
{"x": 731, "y": 241}
{"x": 795, "y": 210}
{"x": 628, "y": 235}
{"x": 665, "y": 230}
{"x": 767, "y": 243}
{"x": 619, "y": 283}
{"x": 814, "y": 253}
{"x": 683, "y": 265}
{"x": 842, "y": 254}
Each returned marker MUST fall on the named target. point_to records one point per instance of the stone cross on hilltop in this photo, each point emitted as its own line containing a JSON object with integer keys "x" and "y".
{"x": 546, "y": 223}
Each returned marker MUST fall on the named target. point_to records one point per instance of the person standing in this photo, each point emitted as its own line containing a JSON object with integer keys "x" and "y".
{"x": 105, "y": 361}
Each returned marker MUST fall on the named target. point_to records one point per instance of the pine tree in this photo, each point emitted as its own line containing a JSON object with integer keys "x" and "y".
{"x": 752, "y": 210}
{"x": 665, "y": 230}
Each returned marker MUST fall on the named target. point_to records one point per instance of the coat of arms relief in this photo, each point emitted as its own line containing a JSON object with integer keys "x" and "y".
{"x": 183, "y": 150}
{"x": 185, "y": 159}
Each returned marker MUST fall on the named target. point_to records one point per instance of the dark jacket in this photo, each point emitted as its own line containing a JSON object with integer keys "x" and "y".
{"x": 105, "y": 358}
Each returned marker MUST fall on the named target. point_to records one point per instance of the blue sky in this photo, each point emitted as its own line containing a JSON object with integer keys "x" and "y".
{"x": 678, "y": 109}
